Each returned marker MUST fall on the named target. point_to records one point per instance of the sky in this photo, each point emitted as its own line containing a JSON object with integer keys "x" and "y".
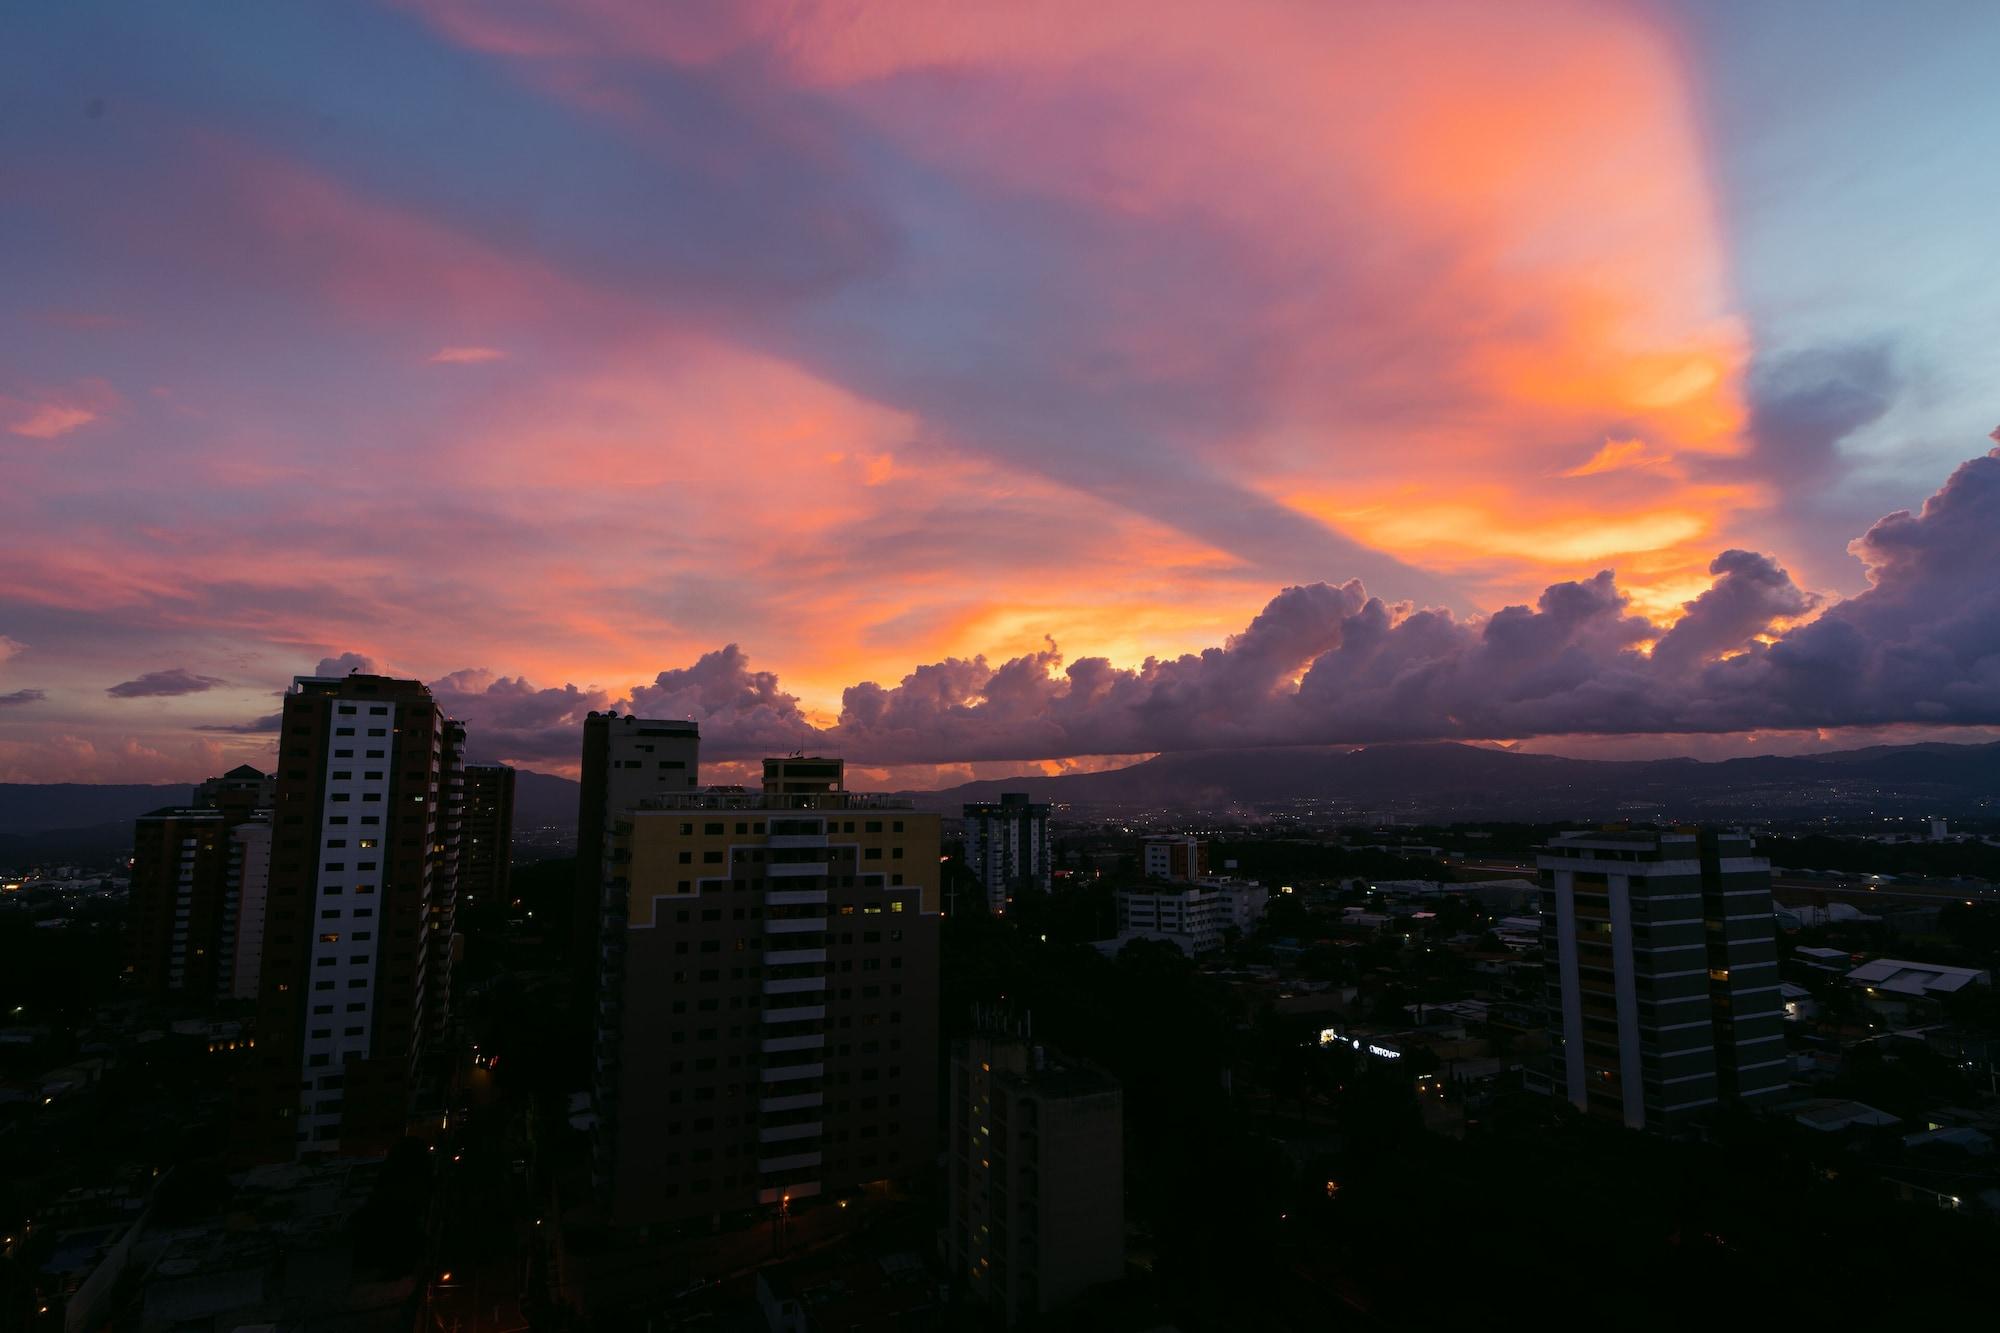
{"x": 984, "y": 388}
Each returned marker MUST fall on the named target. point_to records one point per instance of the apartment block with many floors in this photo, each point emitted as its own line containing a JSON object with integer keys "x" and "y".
{"x": 188, "y": 882}
{"x": 767, "y": 1021}
{"x": 1007, "y": 847}
{"x": 487, "y": 848}
{"x": 625, "y": 760}
{"x": 1036, "y": 1177}
{"x": 355, "y": 971}
{"x": 1662, "y": 977}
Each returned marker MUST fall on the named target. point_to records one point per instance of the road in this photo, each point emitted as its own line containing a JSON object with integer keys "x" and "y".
{"x": 480, "y": 1272}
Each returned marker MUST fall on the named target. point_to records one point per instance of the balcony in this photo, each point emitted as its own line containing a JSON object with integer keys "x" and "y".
{"x": 794, "y": 897}
{"x": 793, "y": 925}
{"x": 798, "y": 1013}
{"x": 813, "y": 1041}
{"x": 794, "y": 985}
{"x": 804, "y": 1189}
{"x": 789, "y": 840}
{"x": 795, "y": 869}
{"x": 798, "y": 1101}
{"x": 798, "y": 1161}
{"x": 792, "y": 957}
{"x": 793, "y": 1073}
{"x": 810, "y": 1129}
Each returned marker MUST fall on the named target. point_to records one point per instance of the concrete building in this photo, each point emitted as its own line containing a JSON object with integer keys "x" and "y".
{"x": 1007, "y": 847}
{"x": 1191, "y": 916}
{"x": 487, "y": 870}
{"x": 250, "y": 882}
{"x": 187, "y": 885}
{"x": 1036, "y": 1176}
{"x": 1661, "y": 974}
{"x": 1177, "y": 860}
{"x": 767, "y": 1023}
{"x": 354, "y": 979}
{"x": 625, "y": 759}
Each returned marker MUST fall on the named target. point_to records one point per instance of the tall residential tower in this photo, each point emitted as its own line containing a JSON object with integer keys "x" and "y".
{"x": 1662, "y": 974}
{"x": 355, "y": 970}
{"x": 1007, "y": 847}
{"x": 768, "y": 1018}
{"x": 625, "y": 759}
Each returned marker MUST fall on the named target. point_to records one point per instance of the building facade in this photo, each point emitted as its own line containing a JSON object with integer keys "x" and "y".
{"x": 625, "y": 760}
{"x": 188, "y": 879}
{"x": 1007, "y": 847}
{"x": 354, "y": 979}
{"x": 1660, "y": 961}
{"x": 1178, "y": 860}
{"x": 1036, "y": 1176}
{"x": 486, "y": 869}
{"x": 1191, "y": 916}
{"x": 767, "y": 1023}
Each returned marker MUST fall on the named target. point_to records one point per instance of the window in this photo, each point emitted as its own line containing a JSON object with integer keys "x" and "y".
{"x": 711, "y": 828}
{"x": 370, "y": 842}
{"x": 345, "y": 709}
{"x": 343, "y": 731}
{"x": 336, "y": 842}
{"x": 342, "y": 774}
{"x": 329, "y": 939}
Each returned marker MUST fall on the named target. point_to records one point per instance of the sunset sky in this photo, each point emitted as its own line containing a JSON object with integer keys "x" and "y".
{"x": 976, "y": 387}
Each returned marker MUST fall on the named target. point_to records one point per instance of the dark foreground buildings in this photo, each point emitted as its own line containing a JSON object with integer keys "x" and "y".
{"x": 196, "y": 911}
{"x": 486, "y": 854}
{"x": 768, "y": 1004}
{"x": 1036, "y": 1176}
{"x": 356, "y": 965}
{"x": 1662, "y": 974}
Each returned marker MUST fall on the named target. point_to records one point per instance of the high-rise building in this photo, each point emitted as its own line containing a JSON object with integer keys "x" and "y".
{"x": 486, "y": 867}
{"x": 1007, "y": 847}
{"x": 625, "y": 759}
{"x": 1662, "y": 974}
{"x": 250, "y": 883}
{"x": 1176, "y": 859}
{"x": 187, "y": 886}
{"x": 767, "y": 1024}
{"x": 355, "y": 974}
{"x": 1036, "y": 1176}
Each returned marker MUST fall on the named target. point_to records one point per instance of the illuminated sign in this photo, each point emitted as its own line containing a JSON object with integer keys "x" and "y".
{"x": 1382, "y": 1051}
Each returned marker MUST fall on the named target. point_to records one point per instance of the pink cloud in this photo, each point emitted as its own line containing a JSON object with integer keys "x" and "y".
{"x": 465, "y": 356}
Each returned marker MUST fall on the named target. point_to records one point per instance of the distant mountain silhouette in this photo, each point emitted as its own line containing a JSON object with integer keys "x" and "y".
{"x": 1437, "y": 781}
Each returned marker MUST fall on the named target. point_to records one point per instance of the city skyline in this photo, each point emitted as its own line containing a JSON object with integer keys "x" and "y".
{"x": 967, "y": 394}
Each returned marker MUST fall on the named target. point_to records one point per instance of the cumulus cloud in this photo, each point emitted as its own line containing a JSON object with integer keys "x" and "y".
{"x": 1331, "y": 664}
{"x": 508, "y": 718}
{"x": 1324, "y": 664}
{"x": 21, "y": 697}
{"x": 347, "y": 664}
{"x": 155, "y": 684}
{"x": 746, "y": 709}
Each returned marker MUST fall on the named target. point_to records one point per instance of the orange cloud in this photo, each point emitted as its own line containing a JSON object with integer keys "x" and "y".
{"x": 465, "y": 356}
